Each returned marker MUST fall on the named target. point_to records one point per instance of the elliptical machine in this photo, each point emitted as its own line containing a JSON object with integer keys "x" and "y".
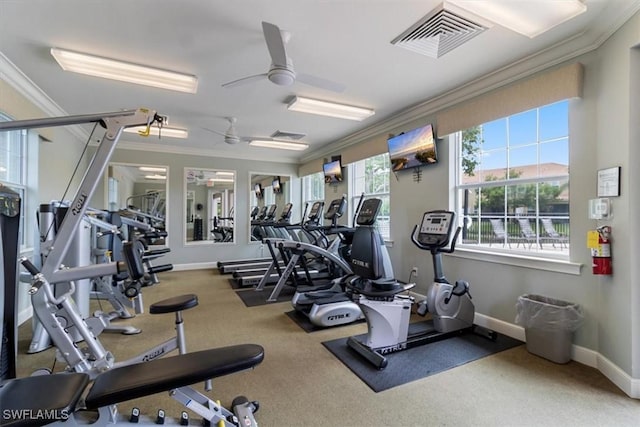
{"x": 388, "y": 312}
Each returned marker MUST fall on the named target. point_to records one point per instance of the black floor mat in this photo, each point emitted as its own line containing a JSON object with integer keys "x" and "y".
{"x": 252, "y": 298}
{"x": 304, "y": 322}
{"x": 419, "y": 362}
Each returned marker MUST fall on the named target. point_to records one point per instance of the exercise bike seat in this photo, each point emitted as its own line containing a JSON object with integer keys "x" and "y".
{"x": 171, "y": 305}
{"x": 35, "y": 394}
{"x": 143, "y": 379}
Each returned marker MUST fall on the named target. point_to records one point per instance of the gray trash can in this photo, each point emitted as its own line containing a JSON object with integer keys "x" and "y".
{"x": 549, "y": 325}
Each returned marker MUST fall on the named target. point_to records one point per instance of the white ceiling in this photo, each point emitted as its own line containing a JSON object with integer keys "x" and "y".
{"x": 346, "y": 41}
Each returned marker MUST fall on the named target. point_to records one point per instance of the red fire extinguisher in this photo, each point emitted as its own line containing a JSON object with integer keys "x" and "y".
{"x": 601, "y": 255}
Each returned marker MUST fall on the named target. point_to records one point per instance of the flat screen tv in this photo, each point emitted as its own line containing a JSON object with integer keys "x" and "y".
{"x": 257, "y": 188}
{"x": 276, "y": 185}
{"x": 411, "y": 149}
{"x": 332, "y": 172}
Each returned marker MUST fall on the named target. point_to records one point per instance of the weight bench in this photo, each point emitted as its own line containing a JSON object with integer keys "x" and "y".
{"x": 59, "y": 396}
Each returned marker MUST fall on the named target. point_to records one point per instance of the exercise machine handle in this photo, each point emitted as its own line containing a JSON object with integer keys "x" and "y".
{"x": 451, "y": 249}
{"x": 453, "y": 242}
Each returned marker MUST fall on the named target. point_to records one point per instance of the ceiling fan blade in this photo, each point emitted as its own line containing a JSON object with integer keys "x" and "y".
{"x": 245, "y": 80}
{"x": 275, "y": 44}
{"x": 214, "y": 131}
{"x": 321, "y": 83}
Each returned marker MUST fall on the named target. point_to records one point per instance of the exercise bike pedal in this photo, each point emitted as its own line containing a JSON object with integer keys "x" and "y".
{"x": 422, "y": 309}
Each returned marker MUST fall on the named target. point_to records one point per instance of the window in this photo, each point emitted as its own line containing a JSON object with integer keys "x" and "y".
{"x": 371, "y": 177}
{"x": 513, "y": 182}
{"x": 269, "y": 196}
{"x": 13, "y": 169}
{"x": 312, "y": 189}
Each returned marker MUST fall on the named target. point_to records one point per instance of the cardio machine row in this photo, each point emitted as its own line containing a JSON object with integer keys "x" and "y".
{"x": 267, "y": 271}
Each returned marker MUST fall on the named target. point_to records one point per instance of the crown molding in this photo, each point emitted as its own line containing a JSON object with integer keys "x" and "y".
{"x": 15, "y": 78}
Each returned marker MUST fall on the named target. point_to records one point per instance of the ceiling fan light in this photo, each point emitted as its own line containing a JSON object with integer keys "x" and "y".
{"x": 281, "y": 76}
{"x": 123, "y": 71}
{"x": 331, "y": 109}
{"x": 283, "y": 145}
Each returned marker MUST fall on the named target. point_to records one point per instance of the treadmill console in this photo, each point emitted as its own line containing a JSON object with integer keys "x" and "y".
{"x": 435, "y": 229}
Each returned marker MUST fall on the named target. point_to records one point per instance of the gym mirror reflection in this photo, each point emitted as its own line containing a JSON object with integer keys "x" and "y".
{"x": 266, "y": 190}
{"x": 139, "y": 192}
{"x": 209, "y": 206}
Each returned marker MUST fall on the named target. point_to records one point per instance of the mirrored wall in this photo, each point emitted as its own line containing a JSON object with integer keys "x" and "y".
{"x": 138, "y": 192}
{"x": 266, "y": 191}
{"x": 209, "y": 200}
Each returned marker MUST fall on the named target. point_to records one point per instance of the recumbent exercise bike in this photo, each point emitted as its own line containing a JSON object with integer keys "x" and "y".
{"x": 386, "y": 306}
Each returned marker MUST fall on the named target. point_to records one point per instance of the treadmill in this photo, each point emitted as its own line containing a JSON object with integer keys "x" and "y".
{"x": 228, "y": 267}
{"x": 249, "y": 279}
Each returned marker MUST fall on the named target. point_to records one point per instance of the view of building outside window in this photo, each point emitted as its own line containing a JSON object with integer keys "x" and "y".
{"x": 513, "y": 185}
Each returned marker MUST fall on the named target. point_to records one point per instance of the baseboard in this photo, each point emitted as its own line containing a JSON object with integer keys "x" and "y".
{"x": 25, "y": 314}
{"x": 195, "y": 266}
{"x": 629, "y": 385}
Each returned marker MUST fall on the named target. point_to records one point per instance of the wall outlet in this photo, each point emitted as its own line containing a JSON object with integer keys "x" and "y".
{"x": 414, "y": 274}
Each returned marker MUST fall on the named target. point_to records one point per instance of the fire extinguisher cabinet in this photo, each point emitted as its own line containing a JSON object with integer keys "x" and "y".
{"x": 549, "y": 325}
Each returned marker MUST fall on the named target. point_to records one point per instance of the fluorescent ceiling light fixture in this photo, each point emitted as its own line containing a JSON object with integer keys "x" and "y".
{"x": 528, "y": 17}
{"x": 225, "y": 173}
{"x": 274, "y": 143}
{"x": 151, "y": 169}
{"x": 221, "y": 180}
{"x": 156, "y": 131}
{"x": 325, "y": 108}
{"x": 155, "y": 177}
{"x": 123, "y": 71}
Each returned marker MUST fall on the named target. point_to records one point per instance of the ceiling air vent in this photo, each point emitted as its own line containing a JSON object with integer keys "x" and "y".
{"x": 442, "y": 30}
{"x": 287, "y": 135}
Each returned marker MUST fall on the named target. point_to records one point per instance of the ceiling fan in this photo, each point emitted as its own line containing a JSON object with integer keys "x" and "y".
{"x": 231, "y": 134}
{"x": 281, "y": 71}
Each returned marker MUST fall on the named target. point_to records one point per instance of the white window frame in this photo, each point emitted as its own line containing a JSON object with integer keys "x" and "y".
{"x": 513, "y": 255}
{"x": 26, "y": 182}
{"x": 358, "y": 184}
{"x": 312, "y": 190}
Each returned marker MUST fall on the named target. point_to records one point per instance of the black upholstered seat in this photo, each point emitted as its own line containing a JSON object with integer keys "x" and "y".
{"x": 39, "y": 400}
{"x": 171, "y": 305}
{"x": 143, "y": 379}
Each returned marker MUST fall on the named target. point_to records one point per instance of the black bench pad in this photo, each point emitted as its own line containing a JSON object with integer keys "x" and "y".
{"x": 156, "y": 376}
{"x": 56, "y": 394}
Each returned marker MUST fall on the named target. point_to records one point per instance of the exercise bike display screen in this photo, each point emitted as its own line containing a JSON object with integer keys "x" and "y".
{"x": 436, "y": 227}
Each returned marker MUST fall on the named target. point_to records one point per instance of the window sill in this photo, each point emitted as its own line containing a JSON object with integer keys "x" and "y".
{"x": 519, "y": 260}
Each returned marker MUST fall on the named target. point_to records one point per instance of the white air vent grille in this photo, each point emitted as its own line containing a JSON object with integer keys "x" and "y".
{"x": 287, "y": 135}
{"x": 442, "y": 30}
